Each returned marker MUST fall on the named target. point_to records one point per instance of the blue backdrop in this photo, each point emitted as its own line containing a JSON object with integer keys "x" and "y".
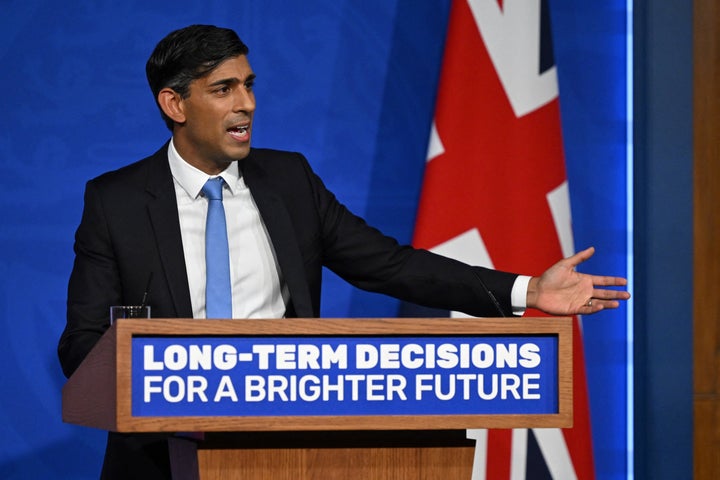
{"x": 349, "y": 83}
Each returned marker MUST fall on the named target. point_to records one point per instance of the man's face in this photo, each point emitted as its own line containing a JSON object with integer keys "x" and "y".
{"x": 218, "y": 117}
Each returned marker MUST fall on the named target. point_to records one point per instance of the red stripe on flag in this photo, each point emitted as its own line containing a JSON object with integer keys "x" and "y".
{"x": 499, "y": 448}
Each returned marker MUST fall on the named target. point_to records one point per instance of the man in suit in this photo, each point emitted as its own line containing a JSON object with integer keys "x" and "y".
{"x": 146, "y": 222}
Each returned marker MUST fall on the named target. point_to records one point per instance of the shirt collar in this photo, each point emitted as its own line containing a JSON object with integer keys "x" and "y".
{"x": 192, "y": 179}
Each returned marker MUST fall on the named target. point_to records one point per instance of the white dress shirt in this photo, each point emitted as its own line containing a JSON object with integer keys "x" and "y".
{"x": 258, "y": 290}
{"x": 518, "y": 295}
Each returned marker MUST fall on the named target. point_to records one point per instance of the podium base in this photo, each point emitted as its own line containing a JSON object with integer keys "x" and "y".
{"x": 366, "y": 455}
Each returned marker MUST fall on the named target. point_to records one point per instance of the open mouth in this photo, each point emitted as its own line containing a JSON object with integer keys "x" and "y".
{"x": 240, "y": 132}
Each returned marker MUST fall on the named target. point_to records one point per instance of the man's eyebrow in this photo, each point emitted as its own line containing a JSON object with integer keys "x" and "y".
{"x": 233, "y": 80}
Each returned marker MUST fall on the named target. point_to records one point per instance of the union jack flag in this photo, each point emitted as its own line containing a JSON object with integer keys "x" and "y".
{"x": 495, "y": 194}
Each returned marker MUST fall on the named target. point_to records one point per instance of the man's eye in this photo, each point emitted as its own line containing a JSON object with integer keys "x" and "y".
{"x": 249, "y": 85}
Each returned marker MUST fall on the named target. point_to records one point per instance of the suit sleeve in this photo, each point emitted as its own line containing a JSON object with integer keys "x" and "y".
{"x": 366, "y": 258}
{"x": 93, "y": 286}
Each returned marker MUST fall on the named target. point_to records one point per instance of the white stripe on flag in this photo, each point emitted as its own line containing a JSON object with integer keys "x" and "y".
{"x": 559, "y": 203}
{"x": 554, "y": 450}
{"x": 480, "y": 435}
{"x": 435, "y": 146}
{"x": 518, "y": 457}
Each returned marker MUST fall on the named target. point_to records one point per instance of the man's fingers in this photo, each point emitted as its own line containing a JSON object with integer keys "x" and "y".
{"x": 604, "y": 294}
{"x": 580, "y": 257}
{"x": 603, "y": 304}
{"x": 608, "y": 281}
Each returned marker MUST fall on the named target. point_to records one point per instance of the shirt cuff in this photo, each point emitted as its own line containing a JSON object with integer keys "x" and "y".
{"x": 518, "y": 295}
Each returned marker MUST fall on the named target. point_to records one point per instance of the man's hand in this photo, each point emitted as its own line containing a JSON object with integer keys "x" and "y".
{"x": 563, "y": 291}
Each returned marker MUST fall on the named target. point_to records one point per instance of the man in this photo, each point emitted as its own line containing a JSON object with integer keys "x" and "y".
{"x": 147, "y": 222}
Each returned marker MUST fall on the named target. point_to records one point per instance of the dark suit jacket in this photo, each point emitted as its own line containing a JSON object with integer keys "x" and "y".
{"x": 130, "y": 229}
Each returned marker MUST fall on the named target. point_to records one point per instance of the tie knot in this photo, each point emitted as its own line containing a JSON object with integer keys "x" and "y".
{"x": 213, "y": 188}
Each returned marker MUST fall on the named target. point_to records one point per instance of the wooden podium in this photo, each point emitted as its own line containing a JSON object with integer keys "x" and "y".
{"x": 320, "y": 444}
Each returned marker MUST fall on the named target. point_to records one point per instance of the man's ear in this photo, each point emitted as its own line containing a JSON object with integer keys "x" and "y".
{"x": 171, "y": 104}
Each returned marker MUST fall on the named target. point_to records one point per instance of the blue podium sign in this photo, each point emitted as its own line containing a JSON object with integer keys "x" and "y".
{"x": 170, "y": 375}
{"x": 275, "y": 376}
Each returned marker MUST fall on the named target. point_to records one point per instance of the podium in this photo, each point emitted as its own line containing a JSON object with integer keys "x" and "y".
{"x": 327, "y": 398}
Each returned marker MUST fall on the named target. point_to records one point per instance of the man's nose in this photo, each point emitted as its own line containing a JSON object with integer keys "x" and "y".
{"x": 244, "y": 100}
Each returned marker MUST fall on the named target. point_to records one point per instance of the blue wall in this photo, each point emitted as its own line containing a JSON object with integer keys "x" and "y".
{"x": 664, "y": 240}
{"x": 349, "y": 83}
{"x": 590, "y": 43}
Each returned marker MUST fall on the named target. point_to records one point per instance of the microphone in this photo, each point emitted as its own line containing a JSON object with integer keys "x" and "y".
{"x": 490, "y": 295}
{"x": 147, "y": 291}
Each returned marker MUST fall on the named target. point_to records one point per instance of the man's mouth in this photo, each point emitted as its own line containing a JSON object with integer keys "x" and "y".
{"x": 240, "y": 132}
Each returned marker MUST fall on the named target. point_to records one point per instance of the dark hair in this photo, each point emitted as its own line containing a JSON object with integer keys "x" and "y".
{"x": 188, "y": 54}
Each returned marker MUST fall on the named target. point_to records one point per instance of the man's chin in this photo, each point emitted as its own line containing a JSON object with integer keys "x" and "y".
{"x": 240, "y": 153}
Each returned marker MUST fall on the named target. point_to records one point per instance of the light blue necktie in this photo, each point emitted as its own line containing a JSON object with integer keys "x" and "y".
{"x": 218, "y": 292}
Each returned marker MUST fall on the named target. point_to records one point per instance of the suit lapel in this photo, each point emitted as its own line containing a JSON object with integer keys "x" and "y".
{"x": 282, "y": 235}
{"x": 162, "y": 208}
